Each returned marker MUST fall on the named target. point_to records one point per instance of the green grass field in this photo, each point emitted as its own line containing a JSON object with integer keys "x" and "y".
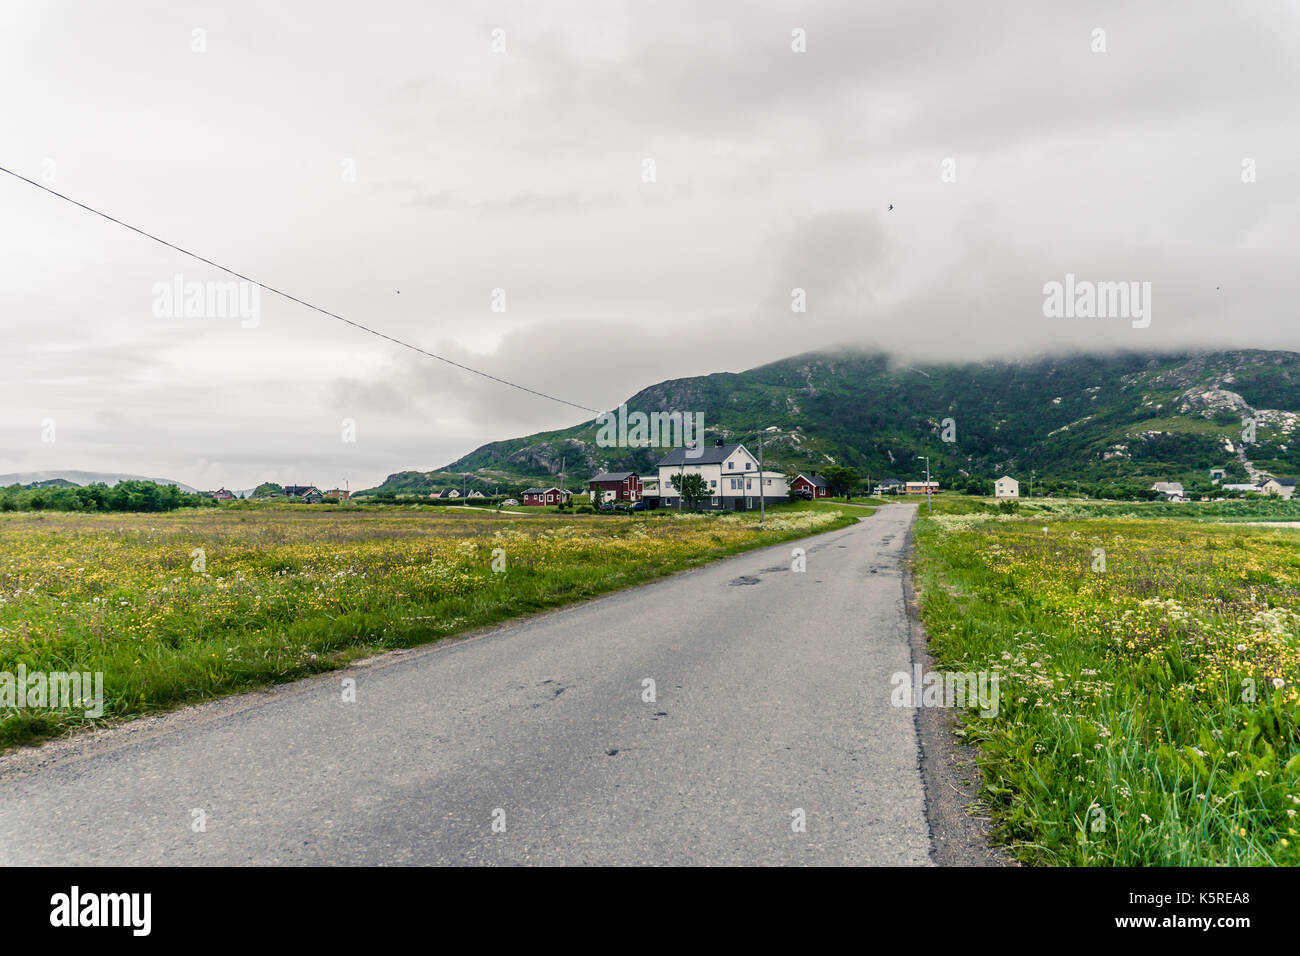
{"x": 187, "y": 605}
{"x": 1148, "y": 677}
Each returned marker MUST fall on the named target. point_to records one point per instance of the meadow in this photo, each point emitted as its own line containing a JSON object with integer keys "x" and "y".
{"x": 193, "y": 604}
{"x": 1148, "y": 677}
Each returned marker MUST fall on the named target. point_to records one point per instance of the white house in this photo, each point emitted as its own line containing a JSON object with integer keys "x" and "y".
{"x": 1282, "y": 487}
{"x": 1006, "y": 487}
{"x": 730, "y": 474}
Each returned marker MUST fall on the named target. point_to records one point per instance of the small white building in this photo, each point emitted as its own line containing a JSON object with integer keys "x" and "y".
{"x": 1282, "y": 487}
{"x": 1006, "y": 487}
{"x": 1243, "y": 487}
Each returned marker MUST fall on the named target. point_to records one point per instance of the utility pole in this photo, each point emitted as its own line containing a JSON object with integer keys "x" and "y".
{"x": 681, "y": 473}
{"x": 929, "y": 505}
{"x": 762, "y": 498}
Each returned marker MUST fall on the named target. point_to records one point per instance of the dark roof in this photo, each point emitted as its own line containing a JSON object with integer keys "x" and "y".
{"x": 613, "y": 475}
{"x": 891, "y": 481}
{"x": 711, "y": 455}
{"x": 297, "y": 489}
{"x": 817, "y": 481}
{"x": 540, "y": 491}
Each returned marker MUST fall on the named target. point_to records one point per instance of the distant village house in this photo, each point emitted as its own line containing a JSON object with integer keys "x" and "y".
{"x": 308, "y": 493}
{"x": 1281, "y": 487}
{"x": 614, "y": 486}
{"x": 731, "y": 479}
{"x": 811, "y": 485}
{"x": 1169, "y": 491}
{"x": 1006, "y": 487}
{"x": 545, "y": 496}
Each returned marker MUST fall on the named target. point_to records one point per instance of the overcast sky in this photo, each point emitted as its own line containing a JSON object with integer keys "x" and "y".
{"x": 345, "y": 151}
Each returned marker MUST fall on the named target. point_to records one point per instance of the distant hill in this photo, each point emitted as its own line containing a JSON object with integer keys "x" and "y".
{"x": 51, "y": 483}
{"x": 80, "y": 478}
{"x": 1089, "y": 418}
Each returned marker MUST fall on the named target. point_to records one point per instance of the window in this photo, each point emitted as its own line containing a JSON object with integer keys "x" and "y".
{"x": 731, "y": 465}
{"x": 748, "y": 484}
{"x": 715, "y": 502}
{"x": 749, "y": 465}
{"x": 713, "y": 484}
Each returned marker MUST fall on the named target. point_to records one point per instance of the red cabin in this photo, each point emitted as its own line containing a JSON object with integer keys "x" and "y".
{"x": 811, "y": 486}
{"x": 615, "y": 486}
{"x": 545, "y": 496}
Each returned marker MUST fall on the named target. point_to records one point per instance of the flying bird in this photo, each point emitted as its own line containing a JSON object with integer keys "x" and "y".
{"x": 891, "y": 207}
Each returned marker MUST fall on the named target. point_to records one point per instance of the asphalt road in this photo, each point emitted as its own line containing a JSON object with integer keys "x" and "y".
{"x": 772, "y": 696}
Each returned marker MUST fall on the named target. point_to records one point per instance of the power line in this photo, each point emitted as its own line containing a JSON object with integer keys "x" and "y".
{"x": 292, "y": 298}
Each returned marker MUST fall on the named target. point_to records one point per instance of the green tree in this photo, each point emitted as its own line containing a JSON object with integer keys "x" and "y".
{"x": 692, "y": 488}
{"x": 841, "y": 479}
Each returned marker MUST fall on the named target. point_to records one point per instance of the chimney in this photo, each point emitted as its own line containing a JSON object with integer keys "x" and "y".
{"x": 719, "y": 443}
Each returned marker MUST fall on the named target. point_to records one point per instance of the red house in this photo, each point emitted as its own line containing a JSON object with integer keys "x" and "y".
{"x": 545, "y": 496}
{"x": 811, "y": 486}
{"x": 615, "y": 486}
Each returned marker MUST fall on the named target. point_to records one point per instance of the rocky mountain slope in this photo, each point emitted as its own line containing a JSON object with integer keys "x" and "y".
{"x": 1124, "y": 417}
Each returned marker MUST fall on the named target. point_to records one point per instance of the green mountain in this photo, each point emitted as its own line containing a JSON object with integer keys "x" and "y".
{"x": 1105, "y": 421}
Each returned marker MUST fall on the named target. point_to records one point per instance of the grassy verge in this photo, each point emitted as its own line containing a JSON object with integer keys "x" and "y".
{"x": 1148, "y": 695}
{"x": 179, "y": 607}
